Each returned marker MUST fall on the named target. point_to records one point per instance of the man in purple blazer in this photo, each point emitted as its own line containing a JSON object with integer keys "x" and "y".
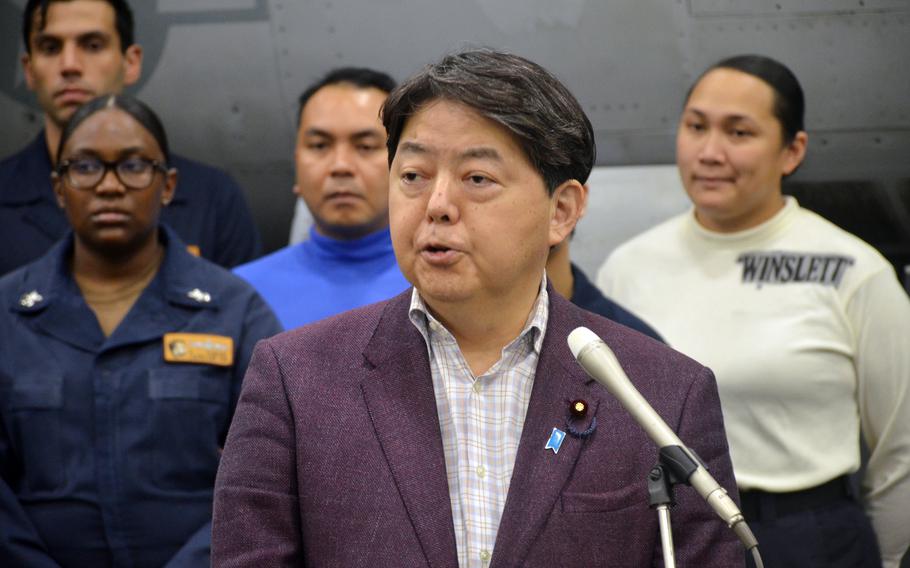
{"x": 451, "y": 426}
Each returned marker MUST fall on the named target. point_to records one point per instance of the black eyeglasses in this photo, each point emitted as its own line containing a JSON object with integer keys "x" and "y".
{"x": 87, "y": 173}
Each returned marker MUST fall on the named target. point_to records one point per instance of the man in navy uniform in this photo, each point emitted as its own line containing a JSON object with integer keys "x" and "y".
{"x": 76, "y": 50}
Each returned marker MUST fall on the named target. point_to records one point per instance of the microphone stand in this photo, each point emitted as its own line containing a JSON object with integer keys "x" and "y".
{"x": 674, "y": 466}
{"x": 677, "y": 464}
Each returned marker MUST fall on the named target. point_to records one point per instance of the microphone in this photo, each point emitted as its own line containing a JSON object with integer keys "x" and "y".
{"x": 600, "y": 363}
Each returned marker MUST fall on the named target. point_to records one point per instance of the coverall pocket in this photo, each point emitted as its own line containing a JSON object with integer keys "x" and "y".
{"x": 188, "y": 418}
{"x": 36, "y": 404}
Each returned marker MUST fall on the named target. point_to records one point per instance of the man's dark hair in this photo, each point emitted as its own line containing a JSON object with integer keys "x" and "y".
{"x": 123, "y": 17}
{"x": 789, "y": 101}
{"x": 521, "y": 96}
{"x": 132, "y": 106}
{"x": 360, "y": 77}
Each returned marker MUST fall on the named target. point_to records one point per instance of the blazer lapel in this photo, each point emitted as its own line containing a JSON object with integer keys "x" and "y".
{"x": 540, "y": 474}
{"x": 402, "y": 405}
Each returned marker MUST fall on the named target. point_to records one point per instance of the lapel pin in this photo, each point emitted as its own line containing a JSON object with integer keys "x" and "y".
{"x": 578, "y": 408}
{"x": 555, "y": 441}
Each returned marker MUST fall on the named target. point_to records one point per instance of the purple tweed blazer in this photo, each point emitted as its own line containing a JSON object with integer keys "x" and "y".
{"x": 335, "y": 458}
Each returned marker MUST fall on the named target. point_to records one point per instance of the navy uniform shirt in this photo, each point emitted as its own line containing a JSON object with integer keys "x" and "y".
{"x": 108, "y": 452}
{"x": 208, "y": 211}
{"x": 588, "y": 297}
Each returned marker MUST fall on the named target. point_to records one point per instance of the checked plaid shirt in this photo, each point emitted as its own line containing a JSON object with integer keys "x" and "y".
{"x": 481, "y": 419}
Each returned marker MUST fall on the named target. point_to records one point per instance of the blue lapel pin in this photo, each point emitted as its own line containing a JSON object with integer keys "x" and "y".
{"x": 555, "y": 441}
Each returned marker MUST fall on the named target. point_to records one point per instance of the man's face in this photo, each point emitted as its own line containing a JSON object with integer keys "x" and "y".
{"x": 76, "y": 57}
{"x": 470, "y": 216}
{"x": 342, "y": 162}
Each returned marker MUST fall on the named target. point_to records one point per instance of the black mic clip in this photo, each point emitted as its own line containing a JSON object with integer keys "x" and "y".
{"x": 674, "y": 466}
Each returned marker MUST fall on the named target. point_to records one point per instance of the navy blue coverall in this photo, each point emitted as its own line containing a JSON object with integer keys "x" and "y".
{"x": 108, "y": 452}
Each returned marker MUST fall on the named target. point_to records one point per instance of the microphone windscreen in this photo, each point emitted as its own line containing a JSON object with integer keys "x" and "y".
{"x": 579, "y": 338}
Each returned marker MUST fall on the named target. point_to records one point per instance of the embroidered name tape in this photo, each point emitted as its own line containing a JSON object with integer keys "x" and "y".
{"x": 199, "y": 348}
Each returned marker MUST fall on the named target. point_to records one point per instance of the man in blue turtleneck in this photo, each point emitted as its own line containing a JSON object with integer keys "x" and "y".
{"x": 343, "y": 176}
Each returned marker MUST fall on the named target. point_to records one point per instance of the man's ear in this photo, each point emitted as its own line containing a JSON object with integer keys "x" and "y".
{"x": 132, "y": 64}
{"x": 26, "y": 61}
{"x": 567, "y": 205}
{"x": 584, "y": 208}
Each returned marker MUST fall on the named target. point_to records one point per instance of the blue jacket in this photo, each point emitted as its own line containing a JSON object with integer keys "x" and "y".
{"x": 586, "y": 296}
{"x": 208, "y": 210}
{"x": 108, "y": 453}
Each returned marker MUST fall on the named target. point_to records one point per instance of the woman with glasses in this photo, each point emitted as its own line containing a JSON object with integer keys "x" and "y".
{"x": 805, "y": 326}
{"x": 121, "y": 359}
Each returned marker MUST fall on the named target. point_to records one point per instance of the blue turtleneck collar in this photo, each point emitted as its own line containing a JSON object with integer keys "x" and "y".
{"x": 373, "y": 246}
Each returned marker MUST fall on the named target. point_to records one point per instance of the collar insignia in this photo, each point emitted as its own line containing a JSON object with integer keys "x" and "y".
{"x": 30, "y": 299}
{"x": 199, "y": 296}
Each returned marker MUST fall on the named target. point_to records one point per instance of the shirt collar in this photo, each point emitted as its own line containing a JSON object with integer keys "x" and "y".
{"x": 182, "y": 281}
{"x": 775, "y": 224}
{"x": 534, "y": 329}
{"x": 50, "y": 277}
